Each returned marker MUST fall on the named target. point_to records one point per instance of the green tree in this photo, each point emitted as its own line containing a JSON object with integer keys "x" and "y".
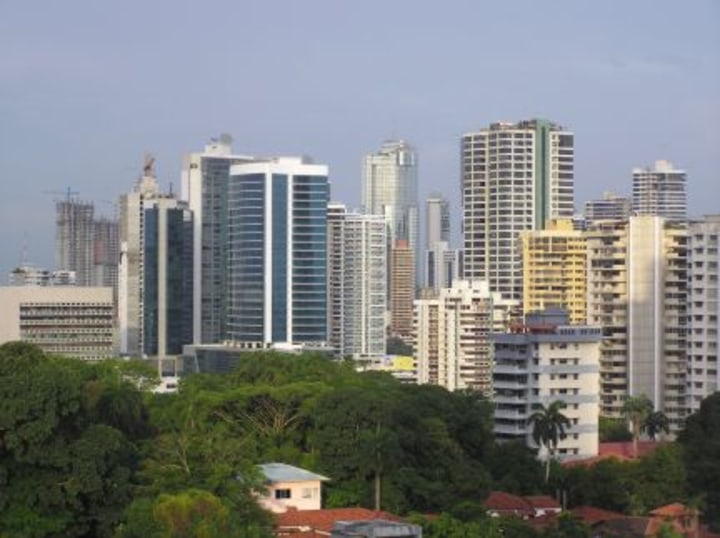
{"x": 65, "y": 468}
{"x": 549, "y": 426}
{"x": 655, "y": 423}
{"x": 613, "y": 430}
{"x": 636, "y": 410}
{"x": 701, "y": 445}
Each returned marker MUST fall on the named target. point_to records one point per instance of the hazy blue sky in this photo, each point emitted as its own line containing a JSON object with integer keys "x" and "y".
{"x": 87, "y": 87}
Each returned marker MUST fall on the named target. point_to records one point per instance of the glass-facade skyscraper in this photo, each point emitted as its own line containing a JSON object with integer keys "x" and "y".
{"x": 277, "y": 251}
{"x": 155, "y": 273}
{"x": 205, "y": 180}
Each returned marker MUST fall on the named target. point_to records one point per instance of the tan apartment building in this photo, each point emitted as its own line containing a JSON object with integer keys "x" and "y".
{"x": 555, "y": 270}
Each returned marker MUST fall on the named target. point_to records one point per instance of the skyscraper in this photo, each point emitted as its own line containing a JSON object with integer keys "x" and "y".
{"x": 155, "y": 301}
{"x": 437, "y": 222}
{"x": 74, "y": 239}
{"x": 515, "y": 177}
{"x": 205, "y": 179}
{"x": 402, "y": 290}
{"x": 277, "y": 251}
{"x": 357, "y": 289}
{"x": 637, "y": 292}
{"x": 703, "y": 312}
{"x": 106, "y": 251}
{"x": 660, "y": 191}
{"x": 390, "y": 189}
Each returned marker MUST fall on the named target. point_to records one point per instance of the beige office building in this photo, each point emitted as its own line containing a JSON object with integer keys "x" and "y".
{"x": 637, "y": 291}
{"x": 402, "y": 290}
{"x": 62, "y": 320}
{"x": 555, "y": 270}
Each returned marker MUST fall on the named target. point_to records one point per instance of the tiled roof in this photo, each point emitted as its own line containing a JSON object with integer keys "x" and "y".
{"x": 625, "y": 449}
{"x": 592, "y": 515}
{"x": 673, "y": 510}
{"x": 323, "y": 520}
{"x": 499, "y": 501}
{"x": 622, "y": 451}
{"x": 282, "y": 472}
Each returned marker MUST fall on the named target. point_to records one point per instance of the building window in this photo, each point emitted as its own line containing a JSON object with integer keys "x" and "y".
{"x": 306, "y": 493}
{"x": 282, "y": 493}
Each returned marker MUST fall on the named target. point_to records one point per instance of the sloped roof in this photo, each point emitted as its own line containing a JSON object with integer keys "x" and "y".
{"x": 673, "y": 510}
{"x": 282, "y": 472}
{"x": 323, "y": 520}
{"x": 499, "y": 501}
{"x": 592, "y": 515}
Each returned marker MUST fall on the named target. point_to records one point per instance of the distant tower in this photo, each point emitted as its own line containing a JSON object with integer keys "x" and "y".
{"x": 205, "y": 180}
{"x": 155, "y": 302}
{"x": 660, "y": 191}
{"x": 357, "y": 283}
{"x": 74, "y": 239}
{"x": 402, "y": 290}
{"x": 277, "y": 251}
{"x": 610, "y": 207}
{"x": 515, "y": 177}
{"x": 437, "y": 222}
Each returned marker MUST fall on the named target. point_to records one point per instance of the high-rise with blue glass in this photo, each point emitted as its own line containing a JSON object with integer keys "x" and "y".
{"x": 277, "y": 251}
{"x": 155, "y": 300}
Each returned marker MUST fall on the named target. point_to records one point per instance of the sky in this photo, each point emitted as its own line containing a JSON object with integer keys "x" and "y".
{"x": 87, "y": 88}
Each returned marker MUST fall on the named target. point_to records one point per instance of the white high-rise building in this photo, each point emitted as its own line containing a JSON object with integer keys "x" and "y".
{"x": 205, "y": 179}
{"x": 390, "y": 188}
{"x": 703, "y": 373}
{"x": 660, "y": 191}
{"x": 637, "y": 292}
{"x": 543, "y": 360}
{"x": 452, "y": 335}
{"x": 357, "y": 283}
{"x": 515, "y": 177}
{"x": 437, "y": 222}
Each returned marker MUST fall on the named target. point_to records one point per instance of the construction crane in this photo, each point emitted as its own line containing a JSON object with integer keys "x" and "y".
{"x": 68, "y": 193}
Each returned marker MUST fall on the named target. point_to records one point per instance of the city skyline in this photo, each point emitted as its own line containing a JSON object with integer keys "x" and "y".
{"x": 87, "y": 90}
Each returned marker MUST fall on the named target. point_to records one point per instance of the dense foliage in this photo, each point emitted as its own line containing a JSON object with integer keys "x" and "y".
{"x": 87, "y": 451}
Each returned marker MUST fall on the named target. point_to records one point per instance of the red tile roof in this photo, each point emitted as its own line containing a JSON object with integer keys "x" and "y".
{"x": 622, "y": 451}
{"x": 625, "y": 449}
{"x": 592, "y": 515}
{"x": 540, "y": 502}
{"x": 506, "y": 503}
{"x": 323, "y": 520}
{"x": 673, "y": 510}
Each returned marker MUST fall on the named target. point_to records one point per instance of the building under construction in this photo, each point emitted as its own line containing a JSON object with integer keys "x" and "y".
{"x": 74, "y": 239}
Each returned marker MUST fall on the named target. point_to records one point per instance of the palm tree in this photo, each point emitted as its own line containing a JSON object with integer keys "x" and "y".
{"x": 655, "y": 423}
{"x": 636, "y": 409}
{"x": 549, "y": 426}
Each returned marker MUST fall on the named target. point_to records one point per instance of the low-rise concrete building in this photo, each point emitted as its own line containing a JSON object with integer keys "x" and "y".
{"x": 66, "y": 320}
{"x": 290, "y": 487}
